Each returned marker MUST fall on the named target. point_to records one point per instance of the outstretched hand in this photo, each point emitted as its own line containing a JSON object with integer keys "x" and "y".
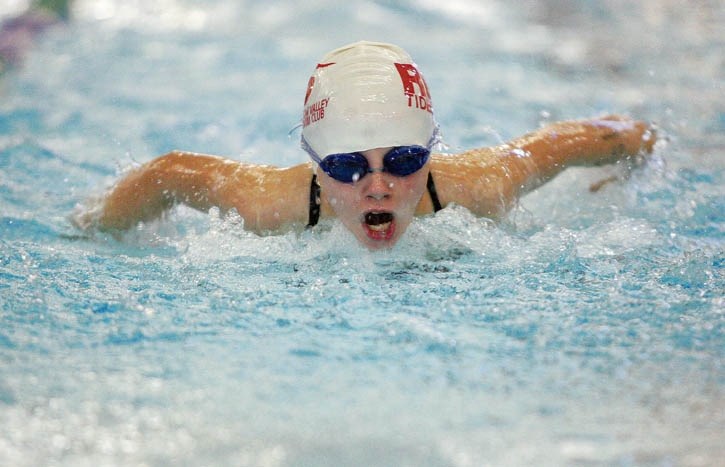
{"x": 642, "y": 133}
{"x": 629, "y": 139}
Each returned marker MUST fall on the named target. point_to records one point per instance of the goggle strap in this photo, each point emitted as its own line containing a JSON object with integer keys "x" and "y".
{"x": 308, "y": 149}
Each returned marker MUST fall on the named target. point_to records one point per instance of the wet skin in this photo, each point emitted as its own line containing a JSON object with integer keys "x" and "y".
{"x": 379, "y": 207}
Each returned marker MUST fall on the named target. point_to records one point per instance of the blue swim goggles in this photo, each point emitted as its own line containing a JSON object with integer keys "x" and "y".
{"x": 350, "y": 167}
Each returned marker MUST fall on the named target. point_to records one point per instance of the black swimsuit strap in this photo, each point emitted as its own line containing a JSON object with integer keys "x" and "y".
{"x": 314, "y": 215}
{"x": 433, "y": 194}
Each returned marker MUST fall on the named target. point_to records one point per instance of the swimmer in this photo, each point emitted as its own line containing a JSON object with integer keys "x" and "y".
{"x": 369, "y": 129}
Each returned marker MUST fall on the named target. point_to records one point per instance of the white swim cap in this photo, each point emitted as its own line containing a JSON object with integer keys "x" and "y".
{"x": 363, "y": 96}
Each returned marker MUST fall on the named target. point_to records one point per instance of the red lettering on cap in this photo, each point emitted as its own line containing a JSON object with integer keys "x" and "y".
{"x": 315, "y": 112}
{"x": 414, "y": 87}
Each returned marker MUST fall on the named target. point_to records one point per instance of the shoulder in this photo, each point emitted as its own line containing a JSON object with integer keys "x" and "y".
{"x": 478, "y": 180}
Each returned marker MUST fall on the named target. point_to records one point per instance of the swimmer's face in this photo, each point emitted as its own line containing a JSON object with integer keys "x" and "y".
{"x": 379, "y": 207}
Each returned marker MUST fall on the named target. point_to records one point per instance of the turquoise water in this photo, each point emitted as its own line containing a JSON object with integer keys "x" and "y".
{"x": 586, "y": 329}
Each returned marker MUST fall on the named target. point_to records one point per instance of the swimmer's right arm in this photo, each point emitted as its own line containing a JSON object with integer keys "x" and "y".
{"x": 267, "y": 198}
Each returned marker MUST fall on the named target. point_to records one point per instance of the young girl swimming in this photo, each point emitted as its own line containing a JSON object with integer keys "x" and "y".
{"x": 368, "y": 126}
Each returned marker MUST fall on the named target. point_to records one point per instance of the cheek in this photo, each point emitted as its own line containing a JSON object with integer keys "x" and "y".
{"x": 413, "y": 187}
{"x": 339, "y": 196}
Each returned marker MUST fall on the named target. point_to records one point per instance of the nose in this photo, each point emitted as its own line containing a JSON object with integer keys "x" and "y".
{"x": 378, "y": 185}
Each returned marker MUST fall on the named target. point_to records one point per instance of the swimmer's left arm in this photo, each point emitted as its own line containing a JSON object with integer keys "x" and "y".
{"x": 488, "y": 181}
{"x": 547, "y": 152}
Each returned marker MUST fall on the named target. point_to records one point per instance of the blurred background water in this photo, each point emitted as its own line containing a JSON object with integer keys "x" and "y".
{"x": 586, "y": 329}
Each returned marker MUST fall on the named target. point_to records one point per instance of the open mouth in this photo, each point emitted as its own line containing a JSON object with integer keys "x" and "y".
{"x": 379, "y": 225}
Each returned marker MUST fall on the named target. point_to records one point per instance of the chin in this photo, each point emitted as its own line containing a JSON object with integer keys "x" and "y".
{"x": 381, "y": 245}
{"x": 380, "y": 238}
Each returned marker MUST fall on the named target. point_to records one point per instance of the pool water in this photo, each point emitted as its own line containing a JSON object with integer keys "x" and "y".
{"x": 585, "y": 329}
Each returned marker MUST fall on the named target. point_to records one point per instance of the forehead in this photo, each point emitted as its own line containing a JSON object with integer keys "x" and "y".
{"x": 376, "y": 151}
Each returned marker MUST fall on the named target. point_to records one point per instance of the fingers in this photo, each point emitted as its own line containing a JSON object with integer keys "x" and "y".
{"x": 594, "y": 187}
{"x": 642, "y": 135}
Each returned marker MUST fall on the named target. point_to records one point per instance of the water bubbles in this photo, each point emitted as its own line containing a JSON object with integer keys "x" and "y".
{"x": 520, "y": 153}
{"x": 59, "y": 442}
